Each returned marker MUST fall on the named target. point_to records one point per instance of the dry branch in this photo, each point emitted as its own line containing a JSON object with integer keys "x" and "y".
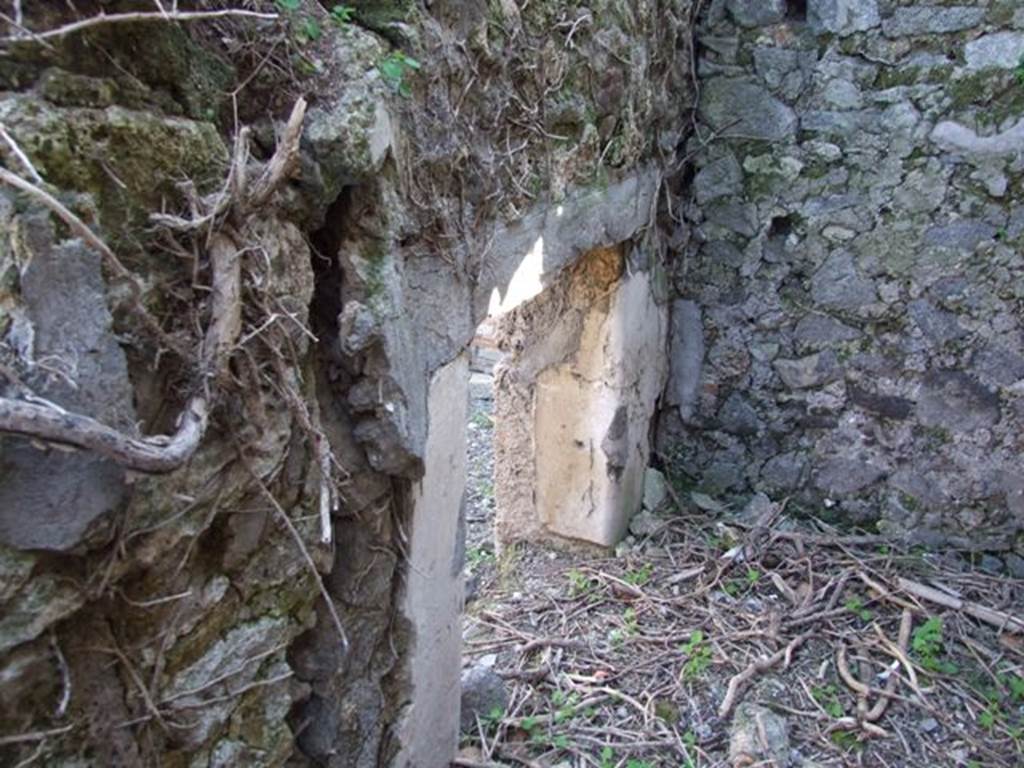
{"x": 991, "y": 616}
{"x": 151, "y": 454}
{"x": 138, "y": 16}
{"x": 755, "y": 668}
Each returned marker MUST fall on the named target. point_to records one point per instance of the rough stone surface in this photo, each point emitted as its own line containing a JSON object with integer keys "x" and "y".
{"x": 743, "y": 107}
{"x": 843, "y": 17}
{"x": 50, "y": 498}
{"x": 758, "y": 736}
{"x": 406, "y": 215}
{"x": 655, "y": 489}
{"x": 686, "y": 356}
{"x": 483, "y": 693}
{"x": 931, "y": 20}
{"x": 756, "y": 13}
{"x": 858, "y": 311}
{"x": 1000, "y": 50}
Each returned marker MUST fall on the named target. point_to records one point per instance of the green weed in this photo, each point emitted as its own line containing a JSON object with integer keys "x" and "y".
{"x": 478, "y": 556}
{"x": 579, "y": 583}
{"x": 927, "y": 645}
{"x": 394, "y": 67}
{"x": 638, "y": 576}
{"x": 342, "y": 14}
{"x": 856, "y": 606}
{"x": 698, "y": 656}
{"x": 565, "y": 706}
{"x": 828, "y": 699}
{"x": 629, "y": 622}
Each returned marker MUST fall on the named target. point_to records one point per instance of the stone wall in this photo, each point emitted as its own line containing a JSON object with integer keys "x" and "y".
{"x": 849, "y": 330}
{"x": 175, "y": 620}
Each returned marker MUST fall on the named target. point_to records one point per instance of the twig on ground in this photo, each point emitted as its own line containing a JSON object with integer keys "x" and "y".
{"x": 755, "y": 668}
{"x": 1000, "y": 619}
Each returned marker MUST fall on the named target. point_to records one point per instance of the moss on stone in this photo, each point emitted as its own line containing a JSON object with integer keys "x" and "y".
{"x": 128, "y": 161}
{"x": 379, "y": 14}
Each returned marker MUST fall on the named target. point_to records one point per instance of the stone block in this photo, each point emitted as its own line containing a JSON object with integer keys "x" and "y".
{"x": 719, "y": 178}
{"x": 49, "y": 499}
{"x": 931, "y": 20}
{"x": 574, "y": 406}
{"x": 838, "y": 285}
{"x": 811, "y": 371}
{"x": 756, "y": 13}
{"x": 843, "y": 17}
{"x": 843, "y": 476}
{"x": 655, "y": 489}
{"x": 742, "y": 107}
{"x": 963, "y": 235}
{"x": 999, "y": 50}
{"x": 954, "y": 137}
{"x": 955, "y": 401}
{"x": 686, "y": 357}
{"x": 483, "y": 692}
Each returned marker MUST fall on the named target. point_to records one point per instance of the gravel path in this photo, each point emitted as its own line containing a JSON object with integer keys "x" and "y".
{"x": 479, "y": 485}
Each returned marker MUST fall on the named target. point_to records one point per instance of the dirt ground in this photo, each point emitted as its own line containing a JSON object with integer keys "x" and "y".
{"x": 717, "y": 640}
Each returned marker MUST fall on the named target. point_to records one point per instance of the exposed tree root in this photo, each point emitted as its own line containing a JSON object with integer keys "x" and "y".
{"x": 229, "y": 216}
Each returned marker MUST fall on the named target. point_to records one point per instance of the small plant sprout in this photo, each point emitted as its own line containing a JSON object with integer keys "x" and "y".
{"x": 927, "y": 645}
{"x": 308, "y": 30}
{"x": 828, "y": 699}
{"x": 481, "y": 420}
{"x": 478, "y": 556}
{"x": 630, "y": 625}
{"x": 639, "y": 576}
{"x": 856, "y": 606}
{"x": 690, "y": 744}
{"x": 578, "y": 582}
{"x": 342, "y": 14}
{"x": 394, "y": 67}
{"x": 565, "y": 706}
{"x": 698, "y": 656}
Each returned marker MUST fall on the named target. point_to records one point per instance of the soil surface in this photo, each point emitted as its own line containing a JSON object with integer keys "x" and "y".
{"x": 722, "y": 639}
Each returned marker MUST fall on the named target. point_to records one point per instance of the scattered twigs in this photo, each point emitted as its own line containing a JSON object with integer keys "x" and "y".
{"x": 20, "y": 738}
{"x": 132, "y": 18}
{"x": 737, "y": 683}
{"x": 661, "y": 653}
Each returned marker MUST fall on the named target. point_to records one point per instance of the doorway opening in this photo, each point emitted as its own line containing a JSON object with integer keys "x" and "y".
{"x": 562, "y": 393}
